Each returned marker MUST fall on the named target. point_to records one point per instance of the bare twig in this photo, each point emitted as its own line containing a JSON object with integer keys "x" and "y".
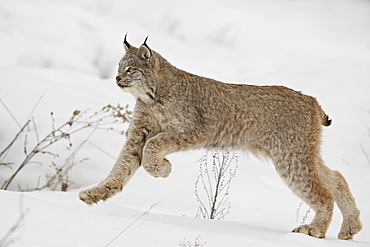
{"x": 25, "y": 145}
{"x": 197, "y": 243}
{"x": 25, "y": 125}
{"x": 365, "y": 153}
{"x": 6, "y": 164}
{"x": 10, "y": 113}
{"x": 297, "y": 211}
{"x": 6, "y": 240}
{"x": 133, "y": 222}
{"x": 216, "y": 190}
{"x": 362, "y": 147}
{"x": 78, "y": 121}
{"x": 101, "y": 149}
{"x": 15, "y": 138}
{"x": 35, "y": 128}
{"x": 305, "y": 216}
{"x": 62, "y": 172}
{"x": 37, "y": 103}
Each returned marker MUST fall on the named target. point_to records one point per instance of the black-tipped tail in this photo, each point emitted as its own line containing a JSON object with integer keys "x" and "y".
{"x": 326, "y": 121}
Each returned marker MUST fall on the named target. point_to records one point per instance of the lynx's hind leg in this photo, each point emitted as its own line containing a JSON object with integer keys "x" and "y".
{"x": 301, "y": 175}
{"x": 345, "y": 201}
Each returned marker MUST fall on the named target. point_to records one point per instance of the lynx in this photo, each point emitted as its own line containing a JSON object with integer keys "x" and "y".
{"x": 177, "y": 111}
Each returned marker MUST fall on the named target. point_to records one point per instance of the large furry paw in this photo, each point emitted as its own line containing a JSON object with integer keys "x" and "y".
{"x": 310, "y": 231}
{"x": 350, "y": 226}
{"x": 159, "y": 170}
{"x": 101, "y": 192}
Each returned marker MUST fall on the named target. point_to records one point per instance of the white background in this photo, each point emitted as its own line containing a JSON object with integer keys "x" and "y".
{"x": 68, "y": 51}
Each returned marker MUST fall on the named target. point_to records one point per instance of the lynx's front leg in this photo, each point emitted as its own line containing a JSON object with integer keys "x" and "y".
{"x": 157, "y": 147}
{"x": 127, "y": 163}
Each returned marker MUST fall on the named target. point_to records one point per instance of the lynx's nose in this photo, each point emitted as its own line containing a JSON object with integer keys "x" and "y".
{"x": 118, "y": 78}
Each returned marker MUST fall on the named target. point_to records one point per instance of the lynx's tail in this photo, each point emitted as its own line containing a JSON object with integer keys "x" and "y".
{"x": 325, "y": 121}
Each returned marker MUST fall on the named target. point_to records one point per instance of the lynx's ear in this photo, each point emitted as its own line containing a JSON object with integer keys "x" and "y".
{"x": 144, "y": 51}
{"x": 126, "y": 45}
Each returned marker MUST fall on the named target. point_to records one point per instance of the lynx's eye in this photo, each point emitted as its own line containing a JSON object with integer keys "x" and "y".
{"x": 129, "y": 70}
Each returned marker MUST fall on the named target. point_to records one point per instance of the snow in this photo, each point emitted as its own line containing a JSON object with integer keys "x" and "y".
{"x": 59, "y": 56}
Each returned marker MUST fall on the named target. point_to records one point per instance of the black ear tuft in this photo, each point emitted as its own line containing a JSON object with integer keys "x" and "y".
{"x": 144, "y": 51}
{"x": 126, "y": 45}
{"x": 147, "y": 45}
{"x": 145, "y": 41}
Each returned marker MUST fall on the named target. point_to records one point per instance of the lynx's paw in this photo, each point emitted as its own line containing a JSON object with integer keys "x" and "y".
{"x": 310, "y": 231}
{"x": 101, "y": 192}
{"x": 350, "y": 226}
{"x": 159, "y": 170}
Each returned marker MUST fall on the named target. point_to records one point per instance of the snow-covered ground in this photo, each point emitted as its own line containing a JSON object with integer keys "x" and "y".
{"x": 62, "y": 55}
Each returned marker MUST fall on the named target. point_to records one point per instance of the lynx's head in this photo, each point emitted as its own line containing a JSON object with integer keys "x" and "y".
{"x": 136, "y": 71}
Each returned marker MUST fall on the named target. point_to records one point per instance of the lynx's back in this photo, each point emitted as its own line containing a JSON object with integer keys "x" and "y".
{"x": 234, "y": 116}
